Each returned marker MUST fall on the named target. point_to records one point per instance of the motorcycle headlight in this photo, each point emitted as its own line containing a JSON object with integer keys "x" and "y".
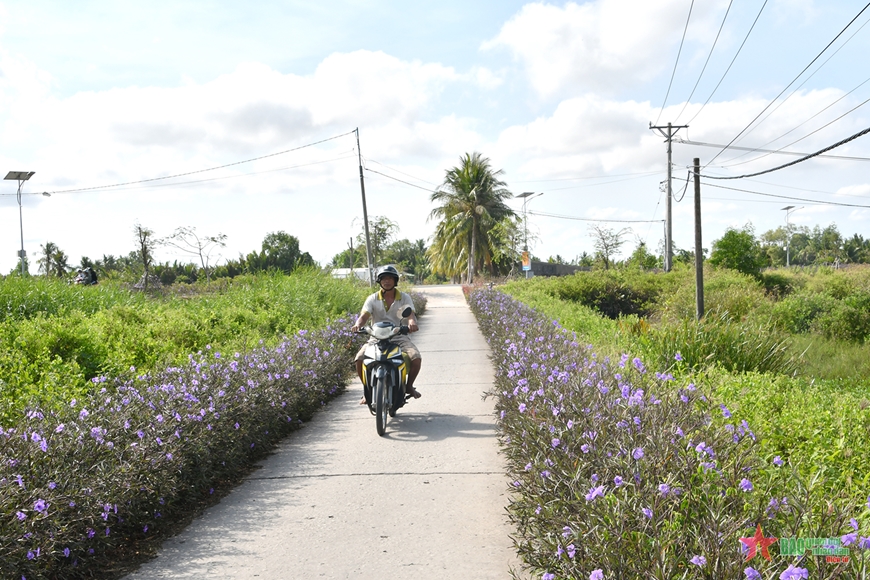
{"x": 382, "y": 332}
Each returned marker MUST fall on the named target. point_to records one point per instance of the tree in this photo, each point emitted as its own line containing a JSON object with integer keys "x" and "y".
{"x": 145, "y": 244}
{"x": 189, "y": 242}
{"x": 738, "y": 250}
{"x": 471, "y": 205}
{"x": 642, "y": 258}
{"x": 409, "y": 257}
{"x": 280, "y": 251}
{"x": 382, "y": 231}
{"x": 606, "y": 241}
{"x": 53, "y": 261}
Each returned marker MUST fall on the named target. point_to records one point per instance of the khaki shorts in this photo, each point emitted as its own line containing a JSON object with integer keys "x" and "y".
{"x": 402, "y": 340}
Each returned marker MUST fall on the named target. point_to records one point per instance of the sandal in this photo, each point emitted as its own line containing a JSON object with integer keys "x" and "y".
{"x": 412, "y": 392}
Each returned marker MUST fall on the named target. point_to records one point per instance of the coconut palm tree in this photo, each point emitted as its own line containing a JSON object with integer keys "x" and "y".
{"x": 471, "y": 205}
{"x": 53, "y": 261}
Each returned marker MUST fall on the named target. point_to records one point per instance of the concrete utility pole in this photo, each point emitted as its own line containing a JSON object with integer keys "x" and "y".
{"x": 699, "y": 251}
{"x": 362, "y": 186}
{"x": 669, "y": 230}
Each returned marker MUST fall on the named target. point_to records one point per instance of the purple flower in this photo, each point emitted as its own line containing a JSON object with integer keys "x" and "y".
{"x": 91, "y": 533}
{"x": 664, "y": 488}
{"x": 617, "y": 481}
{"x": 548, "y": 576}
{"x": 51, "y": 485}
{"x": 555, "y": 442}
{"x": 864, "y": 543}
{"x": 566, "y": 531}
{"x": 572, "y": 550}
{"x": 647, "y": 512}
{"x": 66, "y": 552}
{"x": 698, "y": 560}
{"x": 21, "y": 516}
{"x": 678, "y": 356}
{"x": 522, "y": 407}
{"x": 778, "y": 461}
{"x": 794, "y": 573}
{"x": 849, "y": 539}
{"x": 725, "y": 412}
{"x": 752, "y": 573}
{"x": 854, "y": 523}
{"x": 59, "y": 428}
{"x": 746, "y": 485}
{"x": 597, "y": 575}
{"x": 595, "y": 492}
{"x": 584, "y": 448}
{"x": 637, "y": 453}
{"x": 40, "y": 505}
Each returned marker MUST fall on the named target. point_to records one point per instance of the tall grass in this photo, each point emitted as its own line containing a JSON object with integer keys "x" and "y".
{"x": 62, "y": 336}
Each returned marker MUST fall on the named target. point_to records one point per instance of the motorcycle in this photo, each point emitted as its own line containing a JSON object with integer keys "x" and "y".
{"x": 385, "y": 371}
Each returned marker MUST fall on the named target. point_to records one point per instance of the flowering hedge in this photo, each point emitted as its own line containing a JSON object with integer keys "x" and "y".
{"x": 80, "y": 484}
{"x": 621, "y": 472}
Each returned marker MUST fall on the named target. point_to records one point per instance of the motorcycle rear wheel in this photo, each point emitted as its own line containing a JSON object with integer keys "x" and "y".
{"x": 381, "y": 406}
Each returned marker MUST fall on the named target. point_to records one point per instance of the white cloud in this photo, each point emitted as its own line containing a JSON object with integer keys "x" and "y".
{"x": 604, "y": 45}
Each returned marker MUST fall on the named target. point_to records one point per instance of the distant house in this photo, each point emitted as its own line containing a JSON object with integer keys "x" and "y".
{"x": 360, "y": 273}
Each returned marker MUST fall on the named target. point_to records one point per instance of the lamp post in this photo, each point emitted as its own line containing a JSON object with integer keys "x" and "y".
{"x": 789, "y": 209}
{"x": 20, "y": 177}
{"x": 527, "y": 196}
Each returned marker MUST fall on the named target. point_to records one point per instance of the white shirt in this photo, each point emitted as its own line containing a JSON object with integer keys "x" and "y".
{"x": 375, "y": 306}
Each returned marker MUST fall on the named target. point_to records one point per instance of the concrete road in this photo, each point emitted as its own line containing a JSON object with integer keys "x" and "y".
{"x": 337, "y": 501}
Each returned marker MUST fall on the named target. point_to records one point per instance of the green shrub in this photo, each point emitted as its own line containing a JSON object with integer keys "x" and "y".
{"x": 718, "y": 340}
{"x": 724, "y": 291}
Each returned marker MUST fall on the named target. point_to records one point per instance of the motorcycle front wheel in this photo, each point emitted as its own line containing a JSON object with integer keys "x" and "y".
{"x": 381, "y": 406}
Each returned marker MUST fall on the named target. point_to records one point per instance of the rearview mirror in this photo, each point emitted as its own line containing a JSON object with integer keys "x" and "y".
{"x": 407, "y": 312}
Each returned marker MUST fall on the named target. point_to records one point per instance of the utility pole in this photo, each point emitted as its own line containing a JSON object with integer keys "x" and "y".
{"x": 362, "y": 186}
{"x": 669, "y": 230}
{"x": 699, "y": 251}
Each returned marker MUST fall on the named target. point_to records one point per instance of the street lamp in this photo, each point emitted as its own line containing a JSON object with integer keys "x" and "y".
{"x": 20, "y": 177}
{"x": 789, "y": 209}
{"x": 527, "y": 196}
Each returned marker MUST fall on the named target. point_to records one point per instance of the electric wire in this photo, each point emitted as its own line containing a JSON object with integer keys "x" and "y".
{"x": 798, "y": 140}
{"x": 799, "y": 87}
{"x": 792, "y": 198}
{"x": 796, "y": 161}
{"x": 736, "y": 137}
{"x": 197, "y": 181}
{"x": 399, "y": 171}
{"x": 706, "y": 62}
{"x": 745, "y": 38}
{"x": 399, "y": 180}
{"x": 777, "y": 151}
{"x": 684, "y": 190}
{"x": 674, "y": 73}
{"x": 200, "y": 170}
{"x": 580, "y": 219}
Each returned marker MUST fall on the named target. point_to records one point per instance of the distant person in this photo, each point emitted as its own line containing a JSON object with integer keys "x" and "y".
{"x": 92, "y": 275}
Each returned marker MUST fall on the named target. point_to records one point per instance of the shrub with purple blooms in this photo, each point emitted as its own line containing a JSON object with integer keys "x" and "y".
{"x": 78, "y": 483}
{"x": 619, "y": 471}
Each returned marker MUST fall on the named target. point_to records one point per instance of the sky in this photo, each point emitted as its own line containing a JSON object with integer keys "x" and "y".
{"x": 560, "y": 96}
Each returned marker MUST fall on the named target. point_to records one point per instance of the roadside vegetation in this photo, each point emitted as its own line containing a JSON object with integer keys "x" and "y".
{"x": 777, "y": 373}
{"x": 123, "y": 412}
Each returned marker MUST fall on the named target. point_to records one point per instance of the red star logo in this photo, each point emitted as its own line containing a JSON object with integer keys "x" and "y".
{"x": 756, "y": 541}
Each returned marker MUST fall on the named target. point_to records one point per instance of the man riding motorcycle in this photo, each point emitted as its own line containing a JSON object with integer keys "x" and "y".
{"x": 387, "y": 304}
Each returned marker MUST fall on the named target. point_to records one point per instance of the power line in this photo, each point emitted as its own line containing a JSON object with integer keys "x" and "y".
{"x": 706, "y": 62}
{"x": 751, "y": 149}
{"x": 796, "y": 161}
{"x": 210, "y": 179}
{"x": 815, "y": 201}
{"x": 399, "y": 180}
{"x": 200, "y": 170}
{"x": 802, "y": 138}
{"x": 680, "y": 50}
{"x": 568, "y": 217}
{"x": 791, "y": 94}
{"x": 398, "y": 171}
{"x": 791, "y": 83}
{"x": 745, "y": 38}
{"x": 777, "y": 151}
{"x": 589, "y": 177}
